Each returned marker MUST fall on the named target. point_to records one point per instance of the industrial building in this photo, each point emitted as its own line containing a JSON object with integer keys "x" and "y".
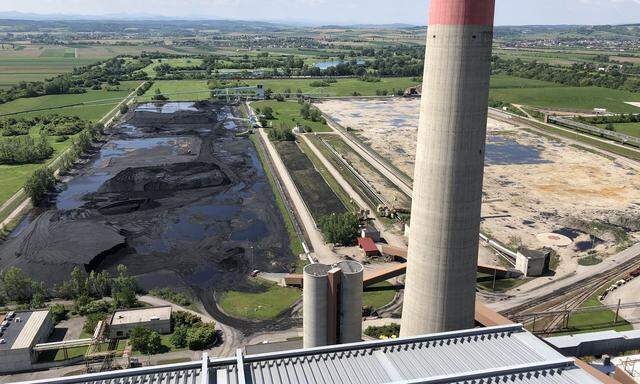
{"x": 596, "y": 343}
{"x": 506, "y": 354}
{"x": 19, "y": 333}
{"x": 332, "y": 303}
{"x": 155, "y": 318}
{"x": 533, "y": 262}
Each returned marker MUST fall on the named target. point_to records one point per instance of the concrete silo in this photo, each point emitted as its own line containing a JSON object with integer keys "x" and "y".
{"x": 350, "y": 305}
{"x": 314, "y": 305}
{"x": 332, "y": 303}
{"x": 445, "y": 215}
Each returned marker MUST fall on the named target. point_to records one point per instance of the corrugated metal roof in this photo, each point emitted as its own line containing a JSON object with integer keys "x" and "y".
{"x": 482, "y": 355}
{"x": 30, "y": 331}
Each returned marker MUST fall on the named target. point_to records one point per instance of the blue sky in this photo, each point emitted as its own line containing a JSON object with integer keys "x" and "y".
{"x": 509, "y": 12}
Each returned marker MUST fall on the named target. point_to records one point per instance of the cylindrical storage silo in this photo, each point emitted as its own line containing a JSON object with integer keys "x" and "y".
{"x": 350, "y": 314}
{"x": 314, "y": 305}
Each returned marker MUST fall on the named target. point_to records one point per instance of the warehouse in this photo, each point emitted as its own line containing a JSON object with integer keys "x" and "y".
{"x": 20, "y": 332}
{"x": 497, "y": 354}
{"x": 154, "y": 318}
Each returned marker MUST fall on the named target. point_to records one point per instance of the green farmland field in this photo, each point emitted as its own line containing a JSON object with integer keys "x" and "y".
{"x": 98, "y": 103}
{"x": 543, "y": 94}
{"x": 16, "y": 69}
{"x": 198, "y": 90}
{"x": 174, "y": 63}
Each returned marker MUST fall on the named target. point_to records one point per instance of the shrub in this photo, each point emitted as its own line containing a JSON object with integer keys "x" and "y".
{"x": 158, "y": 96}
{"x": 145, "y": 340}
{"x": 385, "y": 331}
{"x": 92, "y": 322}
{"x": 39, "y": 183}
{"x": 340, "y": 228}
{"x": 282, "y": 133}
{"x": 179, "y": 337}
{"x": 58, "y": 313}
{"x": 201, "y": 337}
{"x": 124, "y": 108}
{"x": 268, "y": 113}
{"x": 24, "y": 150}
{"x": 185, "y": 319}
{"x": 174, "y": 297}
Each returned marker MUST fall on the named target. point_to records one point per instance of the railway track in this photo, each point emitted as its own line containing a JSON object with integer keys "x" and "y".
{"x": 570, "y": 297}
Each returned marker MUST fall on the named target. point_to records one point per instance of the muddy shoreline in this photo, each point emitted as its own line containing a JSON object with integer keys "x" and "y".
{"x": 175, "y": 196}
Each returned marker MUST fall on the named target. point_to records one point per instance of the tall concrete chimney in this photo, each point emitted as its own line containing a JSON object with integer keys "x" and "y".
{"x": 447, "y": 191}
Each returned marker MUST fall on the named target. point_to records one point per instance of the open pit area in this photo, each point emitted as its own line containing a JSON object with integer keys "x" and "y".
{"x": 535, "y": 187}
{"x": 174, "y": 194}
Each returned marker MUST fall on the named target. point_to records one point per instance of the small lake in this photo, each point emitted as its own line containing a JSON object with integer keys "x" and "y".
{"x": 334, "y": 63}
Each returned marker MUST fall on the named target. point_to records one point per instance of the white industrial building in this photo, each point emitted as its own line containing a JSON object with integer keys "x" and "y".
{"x": 155, "y": 318}
{"x": 19, "y": 333}
{"x": 504, "y": 354}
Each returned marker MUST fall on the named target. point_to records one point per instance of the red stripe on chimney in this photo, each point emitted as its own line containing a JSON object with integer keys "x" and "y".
{"x": 461, "y": 12}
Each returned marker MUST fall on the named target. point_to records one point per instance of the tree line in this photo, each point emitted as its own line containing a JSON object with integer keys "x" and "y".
{"x": 578, "y": 75}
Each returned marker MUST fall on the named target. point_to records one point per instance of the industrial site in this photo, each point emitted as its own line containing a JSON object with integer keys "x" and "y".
{"x": 218, "y": 201}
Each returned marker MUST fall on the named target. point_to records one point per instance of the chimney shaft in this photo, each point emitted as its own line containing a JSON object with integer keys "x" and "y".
{"x": 447, "y": 192}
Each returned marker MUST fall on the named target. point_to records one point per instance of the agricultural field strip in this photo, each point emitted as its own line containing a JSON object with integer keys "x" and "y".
{"x": 7, "y": 218}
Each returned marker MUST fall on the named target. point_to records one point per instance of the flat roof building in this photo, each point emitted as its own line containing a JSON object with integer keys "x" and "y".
{"x": 20, "y": 332}
{"x": 155, "y": 318}
{"x": 506, "y": 354}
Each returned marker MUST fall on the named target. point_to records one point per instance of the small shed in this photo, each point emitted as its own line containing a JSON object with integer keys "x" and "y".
{"x": 371, "y": 232}
{"x": 533, "y": 262}
{"x": 368, "y": 246}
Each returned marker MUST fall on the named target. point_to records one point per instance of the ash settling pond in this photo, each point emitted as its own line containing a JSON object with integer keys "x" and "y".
{"x": 174, "y": 195}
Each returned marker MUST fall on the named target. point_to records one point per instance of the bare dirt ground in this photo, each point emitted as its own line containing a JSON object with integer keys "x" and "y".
{"x": 533, "y": 184}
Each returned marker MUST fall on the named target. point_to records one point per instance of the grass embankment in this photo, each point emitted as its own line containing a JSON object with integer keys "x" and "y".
{"x": 631, "y": 129}
{"x": 288, "y": 112}
{"x": 267, "y": 302}
{"x": 555, "y": 96}
{"x": 378, "y": 295}
{"x": 595, "y": 321}
{"x": 485, "y": 282}
{"x": 294, "y": 241}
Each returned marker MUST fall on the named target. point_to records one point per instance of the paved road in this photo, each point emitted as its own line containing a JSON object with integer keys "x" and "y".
{"x": 551, "y": 285}
{"x": 323, "y": 253}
